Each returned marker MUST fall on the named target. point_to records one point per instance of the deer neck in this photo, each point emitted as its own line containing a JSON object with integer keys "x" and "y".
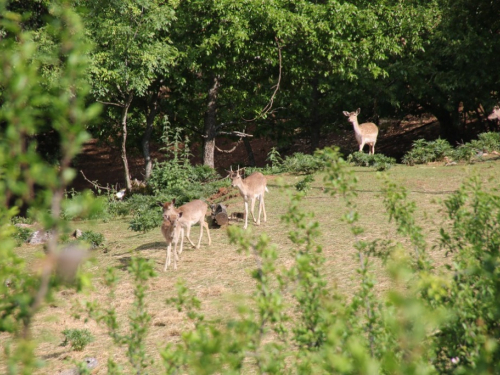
{"x": 243, "y": 188}
{"x": 357, "y": 129}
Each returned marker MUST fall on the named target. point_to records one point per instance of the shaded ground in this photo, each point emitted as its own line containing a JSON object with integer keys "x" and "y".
{"x": 103, "y": 164}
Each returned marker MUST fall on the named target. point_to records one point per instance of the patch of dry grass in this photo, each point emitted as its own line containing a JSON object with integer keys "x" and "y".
{"x": 219, "y": 275}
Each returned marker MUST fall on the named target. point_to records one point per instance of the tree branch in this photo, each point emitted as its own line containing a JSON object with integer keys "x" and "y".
{"x": 231, "y": 150}
{"x": 94, "y": 183}
{"x": 269, "y": 105}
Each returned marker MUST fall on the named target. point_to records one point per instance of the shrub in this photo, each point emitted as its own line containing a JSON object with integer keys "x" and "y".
{"x": 428, "y": 151}
{"x": 22, "y": 235}
{"x": 487, "y": 142}
{"x": 169, "y": 174}
{"x": 305, "y": 184}
{"x": 302, "y": 163}
{"x": 77, "y": 338}
{"x": 95, "y": 239}
{"x": 378, "y": 161}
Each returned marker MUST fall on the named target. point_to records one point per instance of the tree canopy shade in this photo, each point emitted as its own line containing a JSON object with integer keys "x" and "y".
{"x": 325, "y": 55}
{"x": 457, "y": 70}
{"x": 132, "y": 57}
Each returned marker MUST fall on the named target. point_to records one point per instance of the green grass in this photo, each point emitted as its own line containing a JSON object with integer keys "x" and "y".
{"x": 219, "y": 275}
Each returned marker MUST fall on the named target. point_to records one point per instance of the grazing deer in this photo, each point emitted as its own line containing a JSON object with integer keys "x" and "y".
{"x": 192, "y": 213}
{"x": 495, "y": 115}
{"x": 252, "y": 187}
{"x": 365, "y": 133}
{"x": 172, "y": 231}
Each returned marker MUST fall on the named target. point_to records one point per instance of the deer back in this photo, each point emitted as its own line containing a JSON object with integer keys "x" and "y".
{"x": 254, "y": 185}
{"x": 193, "y": 212}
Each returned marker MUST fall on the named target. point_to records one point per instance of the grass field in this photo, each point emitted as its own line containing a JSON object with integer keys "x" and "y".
{"x": 219, "y": 275}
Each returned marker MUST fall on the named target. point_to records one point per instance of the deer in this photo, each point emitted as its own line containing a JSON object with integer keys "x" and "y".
{"x": 172, "y": 231}
{"x": 365, "y": 133}
{"x": 495, "y": 115}
{"x": 192, "y": 213}
{"x": 251, "y": 188}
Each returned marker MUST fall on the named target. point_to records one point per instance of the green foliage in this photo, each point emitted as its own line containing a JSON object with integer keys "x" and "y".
{"x": 43, "y": 80}
{"x": 133, "y": 338}
{"x": 378, "y": 161}
{"x": 304, "y": 184}
{"x": 302, "y": 163}
{"x": 145, "y": 212}
{"x": 95, "y": 239}
{"x": 77, "y": 338}
{"x": 298, "y": 163}
{"x": 22, "y": 234}
{"x": 427, "y": 151}
{"x": 472, "y": 293}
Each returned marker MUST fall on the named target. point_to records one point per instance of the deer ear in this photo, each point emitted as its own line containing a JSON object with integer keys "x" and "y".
{"x": 173, "y": 201}
{"x": 358, "y": 111}
{"x": 159, "y": 204}
{"x": 347, "y": 114}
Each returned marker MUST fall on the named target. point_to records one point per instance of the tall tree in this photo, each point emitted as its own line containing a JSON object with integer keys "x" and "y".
{"x": 456, "y": 72}
{"x": 133, "y": 52}
{"x": 230, "y": 63}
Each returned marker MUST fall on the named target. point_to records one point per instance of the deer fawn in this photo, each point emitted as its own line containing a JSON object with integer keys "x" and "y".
{"x": 192, "y": 213}
{"x": 252, "y": 187}
{"x": 495, "y": 115}
{"x": 365, "y": 133}
{"x": 172, "y": 231}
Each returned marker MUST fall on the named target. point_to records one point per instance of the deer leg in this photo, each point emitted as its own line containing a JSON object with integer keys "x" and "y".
{"x": 263, "y": 207}
{"x": 361, "y": 146}
{"x": 252, "y": 201}
{"x": 188, "y": 232}
{"x": 246, "y": 215}
{"x": 176, "y": 256}
{"x": 205, "y": 224}
{"x": 167, "y": 260}
{"x": 201, "y": 232}
{"x": 181, "y": 235}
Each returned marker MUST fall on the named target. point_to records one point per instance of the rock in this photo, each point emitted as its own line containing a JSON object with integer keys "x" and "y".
{"x": 39, "y": 237}
{"x": 90, "y": 362}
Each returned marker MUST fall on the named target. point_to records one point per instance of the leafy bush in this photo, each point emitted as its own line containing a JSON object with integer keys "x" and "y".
{"x": 428, "y": 151}
{"x": 95, "y": 239}
{"x": 378, "y": 161}
{"x": 21, "y": 220}
{"x": 302, "y": 163}
{"x": 487, "y": 142}
{"x": 22, "y": 234}
{"x": 203, "y": 173}
{"x": 305, "y": 184}
{"x": 465, "y": 152}
{"x": 77, "y": 338}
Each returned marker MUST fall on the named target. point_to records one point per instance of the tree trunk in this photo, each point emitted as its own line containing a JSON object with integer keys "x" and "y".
{"x": 248, "y": 147}
{"x": 150, "y": 119}
{"x": 126, "y": 107}
{"x": 449, "y": 125}
{"x": 315, "y": 124}
{"x": 210, "y": 130}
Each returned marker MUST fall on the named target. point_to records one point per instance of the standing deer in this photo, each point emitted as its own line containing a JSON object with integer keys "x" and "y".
{"x": 172, "y": 231}
{"x": 495, "y": 115}
{"x": 252, "y": 187}
{"x": 365, "y": 133}
{"x": 192, "y": 213}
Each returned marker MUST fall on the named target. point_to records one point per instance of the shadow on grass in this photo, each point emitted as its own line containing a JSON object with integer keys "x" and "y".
{"x": 124, "y": 263}
{"x": 152, "y": 246}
